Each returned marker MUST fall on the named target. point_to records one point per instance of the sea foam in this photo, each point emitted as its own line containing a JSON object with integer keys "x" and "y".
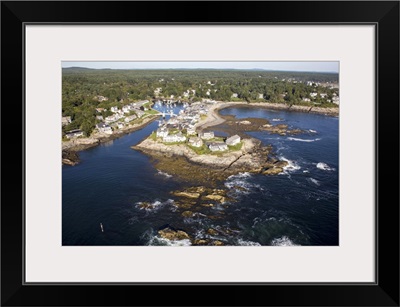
{"x": 283, "y": 241}
{"x": 164, "y": 174}
{"x": 324, "y": 166}
{"x": 292, "y": 165}
{"x": 315, "y": 181}
{"x": 303, "y": 140}
{"x": 155, "y": 240}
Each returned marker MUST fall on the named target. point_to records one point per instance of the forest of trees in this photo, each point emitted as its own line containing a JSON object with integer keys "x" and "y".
{"x": 81, "y": 88}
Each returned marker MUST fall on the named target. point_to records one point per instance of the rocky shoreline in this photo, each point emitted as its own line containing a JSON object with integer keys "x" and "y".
{"x": 214, "y": 118}
{"x": 184, "y": 163}
{"x": 71, "y": 148}
{"x": 295, "y": 108}
{"x": 181, "y": 161}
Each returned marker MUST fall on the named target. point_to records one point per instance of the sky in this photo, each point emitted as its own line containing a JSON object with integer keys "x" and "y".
{"x": 314, "y": 66}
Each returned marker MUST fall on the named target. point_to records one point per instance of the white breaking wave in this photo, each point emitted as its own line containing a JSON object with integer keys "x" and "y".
{"x": 315, "y": 181}
{"x": 283, "y": 241}
{"x": 154, "y": 206}
{"x": 324, "y": 166}
{"x": 164, "y": 174}
{"x": 239, "y": 183}
{"x": 247, "y": 243}
{"x": 302, "y": 140}
{"x": 165, "y": 242}
{"x": 292, "y": 166}
{"x": 240, "y": 175}
{"x": 312, "y": 131}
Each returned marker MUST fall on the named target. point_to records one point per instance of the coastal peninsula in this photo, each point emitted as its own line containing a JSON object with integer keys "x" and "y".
{"x": 186, "y": 147}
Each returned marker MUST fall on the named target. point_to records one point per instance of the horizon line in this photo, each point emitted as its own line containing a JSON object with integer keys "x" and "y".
{"x": 239, "y": 69}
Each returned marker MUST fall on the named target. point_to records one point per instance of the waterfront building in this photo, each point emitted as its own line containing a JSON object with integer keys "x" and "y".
{"x": 233, "y": 140}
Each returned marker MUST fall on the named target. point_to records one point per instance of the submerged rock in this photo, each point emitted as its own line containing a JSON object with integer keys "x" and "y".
{"x": 212, "y": 232}
{"x": 145, "y": 205}
{"x": 200, "y": 242}
{"x": 184, "y": 205}
{"x": 188, "y": 214}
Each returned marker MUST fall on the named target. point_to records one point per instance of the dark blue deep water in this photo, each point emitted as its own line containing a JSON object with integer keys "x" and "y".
{"x": 298, "y": 207}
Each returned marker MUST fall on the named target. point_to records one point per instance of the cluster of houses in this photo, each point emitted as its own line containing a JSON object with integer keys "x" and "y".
{"x": 138, "y": 108}
{"x": 171, "y": 131}
{"x": 105, "y": 126}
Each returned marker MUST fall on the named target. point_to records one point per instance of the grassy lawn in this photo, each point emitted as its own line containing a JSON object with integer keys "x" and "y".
{"x": 203, "y": 150}
{"x": 153, "y": 136}
{"x": 174, "y": 143}
{"x": 152, "y": 112}
{"x": 236, "y": 147}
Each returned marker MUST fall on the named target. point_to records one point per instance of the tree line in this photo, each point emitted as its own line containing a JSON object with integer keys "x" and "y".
{"x": 81, "y": 89}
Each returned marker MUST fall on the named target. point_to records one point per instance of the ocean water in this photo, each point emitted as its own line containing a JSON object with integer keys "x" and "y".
{"x": 297, "y": 207}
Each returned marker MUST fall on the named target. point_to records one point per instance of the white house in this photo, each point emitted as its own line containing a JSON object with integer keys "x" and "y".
{"x": 191, "y": 131}
{"x": 127, "y": 109}
{"x": 233, "y": 140}
{"x": 120, "y": 125}
{"x": 207, "y": 135}
{"x": 195, "y": 142}
{"x": 130, "y": 118}
{"x": 306, "y": 99}
{"x": 323, "y": 95}
{"x": 104, "y": 128}
{"x": 99, "y": 117}
{"x": 217, "y": 146}
{"x": 74, "y": 133}
{"x": 139, "y": 113}
{"x": 313, "y": 94}
{"x": 234, "y": 95}
{"x": 65, "y": 120}
{"x": 172, "y": 138}
{"x": 162, "y": 132}
{"x": 157, "y": 91}
{"x": 112, "y": 118}
{"x": 335, "y": 99}
{"x": 114, "y": 109}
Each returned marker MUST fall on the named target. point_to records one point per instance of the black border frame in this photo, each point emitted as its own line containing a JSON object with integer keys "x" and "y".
{"x": 385, "y": 17}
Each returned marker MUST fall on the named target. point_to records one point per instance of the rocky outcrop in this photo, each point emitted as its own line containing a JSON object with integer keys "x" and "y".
{"x": 187, "y": 214}
{"x": 200, "y": 242}
{"x": 69, "y": 157}
{"x": 183, "y": 163}
{"x": 187, "y": 194}
{"x": 243, "y": 158}
{"x": 273, "y": 171}
{"x": 219, "y": 198}
{"x": 280, "y": 129}
{"x": 173, "y": 235}
{"x": 274, "y": 167}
